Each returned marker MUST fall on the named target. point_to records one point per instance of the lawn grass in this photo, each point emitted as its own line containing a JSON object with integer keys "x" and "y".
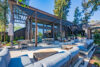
{"x": 96, "y": 56}
{"x": 97, "y": 59}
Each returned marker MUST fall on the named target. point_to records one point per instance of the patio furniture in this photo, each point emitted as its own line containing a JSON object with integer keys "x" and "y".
{"x": 4, "y": 57}
{"x": 6, "y": 61}
{"x": 23, "y": 43}
{"x": 80, "y": 61}
{"x": 21, "y": 61}
{"x": 60, "y": 59}
{"x": 56, "y": 60}
{"x": 74, "y": 54}
{"x": 43, "y": 54}
{"x": 49, "y": 40}
{"x": 64, "y": 58}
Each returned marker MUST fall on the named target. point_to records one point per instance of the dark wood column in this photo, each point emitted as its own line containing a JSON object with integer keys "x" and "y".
{"x": 43, "y": 30}
{"x": 89, "y": 33}
{"x": 61, "y": 29}
{"x": 36, "y": 29}
{"x": 53, "y": 31}
{"x": 31, "y": 32}
{"x": 26, "y": 31}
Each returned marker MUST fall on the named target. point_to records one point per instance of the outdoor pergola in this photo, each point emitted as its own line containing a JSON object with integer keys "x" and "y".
{"x": 30, "y": 16}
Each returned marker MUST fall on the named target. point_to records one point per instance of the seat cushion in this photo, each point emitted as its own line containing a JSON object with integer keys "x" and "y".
{"x": 2, "y": 62}
{"x": 22, "y": 61}
{"x": 5, "y": 56}
{"x": 74, "y": 51}
{"x": 56, "y": 60}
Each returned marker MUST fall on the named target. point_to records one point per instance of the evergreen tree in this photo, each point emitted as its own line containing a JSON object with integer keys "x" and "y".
{"x": 3, "y": 14}
{"x": 89, "y": 7}
{"x": 77, "y": 16}
{"x": 62, "y": 8}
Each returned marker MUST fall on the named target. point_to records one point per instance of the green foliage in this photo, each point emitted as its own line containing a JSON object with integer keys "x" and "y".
{"x": 2, "y": 26}
{"x": 8, "y": 44}
{"x": 17, "y": 27}
{"x": 7, "y": 38}
{"x": 95, "y": 4}
{"x": 15, "y": 42}
{"x": 97, "y": 38}
{"x": 77, "y": 16}
{"x": 40, "y": 34}
{"x": 3, "y": 16}
{"x": 97, "y": 64}
{"x": 89, "y": 7}
{"x": 79, "y": 35}
{"x": 4, "y": 43}
{"x": 19, "y": 0}
{"x": 16, "y": 38}
{"x": 21, "y": 37}
{"x": 62, "y": 8}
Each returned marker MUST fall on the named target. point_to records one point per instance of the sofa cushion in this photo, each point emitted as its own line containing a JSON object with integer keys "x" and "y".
{"x": 30, "y": 65}
{"x": 5, "y": 56}
{"x": 2, "y": 62}
{"x": 22, "y": 61}
{"x": 74, "y": 51}
{"x": 56, "y": 60}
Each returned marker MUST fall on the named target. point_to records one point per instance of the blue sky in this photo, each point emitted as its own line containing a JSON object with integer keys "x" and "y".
{"x": 48, "y": 6}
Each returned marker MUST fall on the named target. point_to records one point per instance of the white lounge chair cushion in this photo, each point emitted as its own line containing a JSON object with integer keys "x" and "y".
{"x": 56, "y": 60}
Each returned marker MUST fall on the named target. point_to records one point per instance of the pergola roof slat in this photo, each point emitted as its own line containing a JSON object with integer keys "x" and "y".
{"x": 40, "y": 14}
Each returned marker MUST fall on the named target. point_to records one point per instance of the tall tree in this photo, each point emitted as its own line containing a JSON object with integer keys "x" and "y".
{"x": 89, "y": 7}
{"x": 95, "y": 5}
{"x": 77, "y": 16}
{"x": 85, "y": 12}
{"x": 4, "y": 8}
{"x": 62, "y": 8}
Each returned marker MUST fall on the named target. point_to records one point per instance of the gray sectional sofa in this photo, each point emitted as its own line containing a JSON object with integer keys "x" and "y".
{"x": 4, "y": 57}
{"x": 64, "y": 58}
{"x": 61, "y": 59}
{"x": 6, "y": 61}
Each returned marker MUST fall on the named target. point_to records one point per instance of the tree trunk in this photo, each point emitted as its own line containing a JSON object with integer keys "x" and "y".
{"x": 5, "y": 25}
{"x": 1, "y": 36}
{"x": 4, "y": 33}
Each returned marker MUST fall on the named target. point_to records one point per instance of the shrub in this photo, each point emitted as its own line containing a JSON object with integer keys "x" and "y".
{"x": 8, "y": 44}
{"x": 21, "y": 37}
{"x": 15, "y": 42}
{"x": 7, "y": 38}
{"x": 4, "y": 42}
{"x": 16, "y": 38}
{"x": 97, "y": 38}
{"x": 97, "y": 64}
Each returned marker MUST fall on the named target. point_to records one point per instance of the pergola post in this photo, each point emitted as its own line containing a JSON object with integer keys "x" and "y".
{"x": 36, "y": 29}
{"x": 89, "y": 33}
{"x": 31, "y": 33}
{"x": 26, "y": 31}
{"x": 43, "y": 30}
{"x": 12, "y": 23}
{"x": 61, "y": 29}
{"x": 53, "y": 31}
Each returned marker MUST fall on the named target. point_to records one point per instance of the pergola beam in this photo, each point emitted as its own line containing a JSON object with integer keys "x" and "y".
{"x": 36, "y": 30}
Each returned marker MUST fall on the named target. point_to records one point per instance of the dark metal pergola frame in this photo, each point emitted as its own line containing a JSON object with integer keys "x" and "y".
{"x": 28, "y": 15}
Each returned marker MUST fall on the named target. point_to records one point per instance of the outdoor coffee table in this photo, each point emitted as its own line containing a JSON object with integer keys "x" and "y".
{"x": 43, "y": 54}
{"x": 68, "y": 47}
